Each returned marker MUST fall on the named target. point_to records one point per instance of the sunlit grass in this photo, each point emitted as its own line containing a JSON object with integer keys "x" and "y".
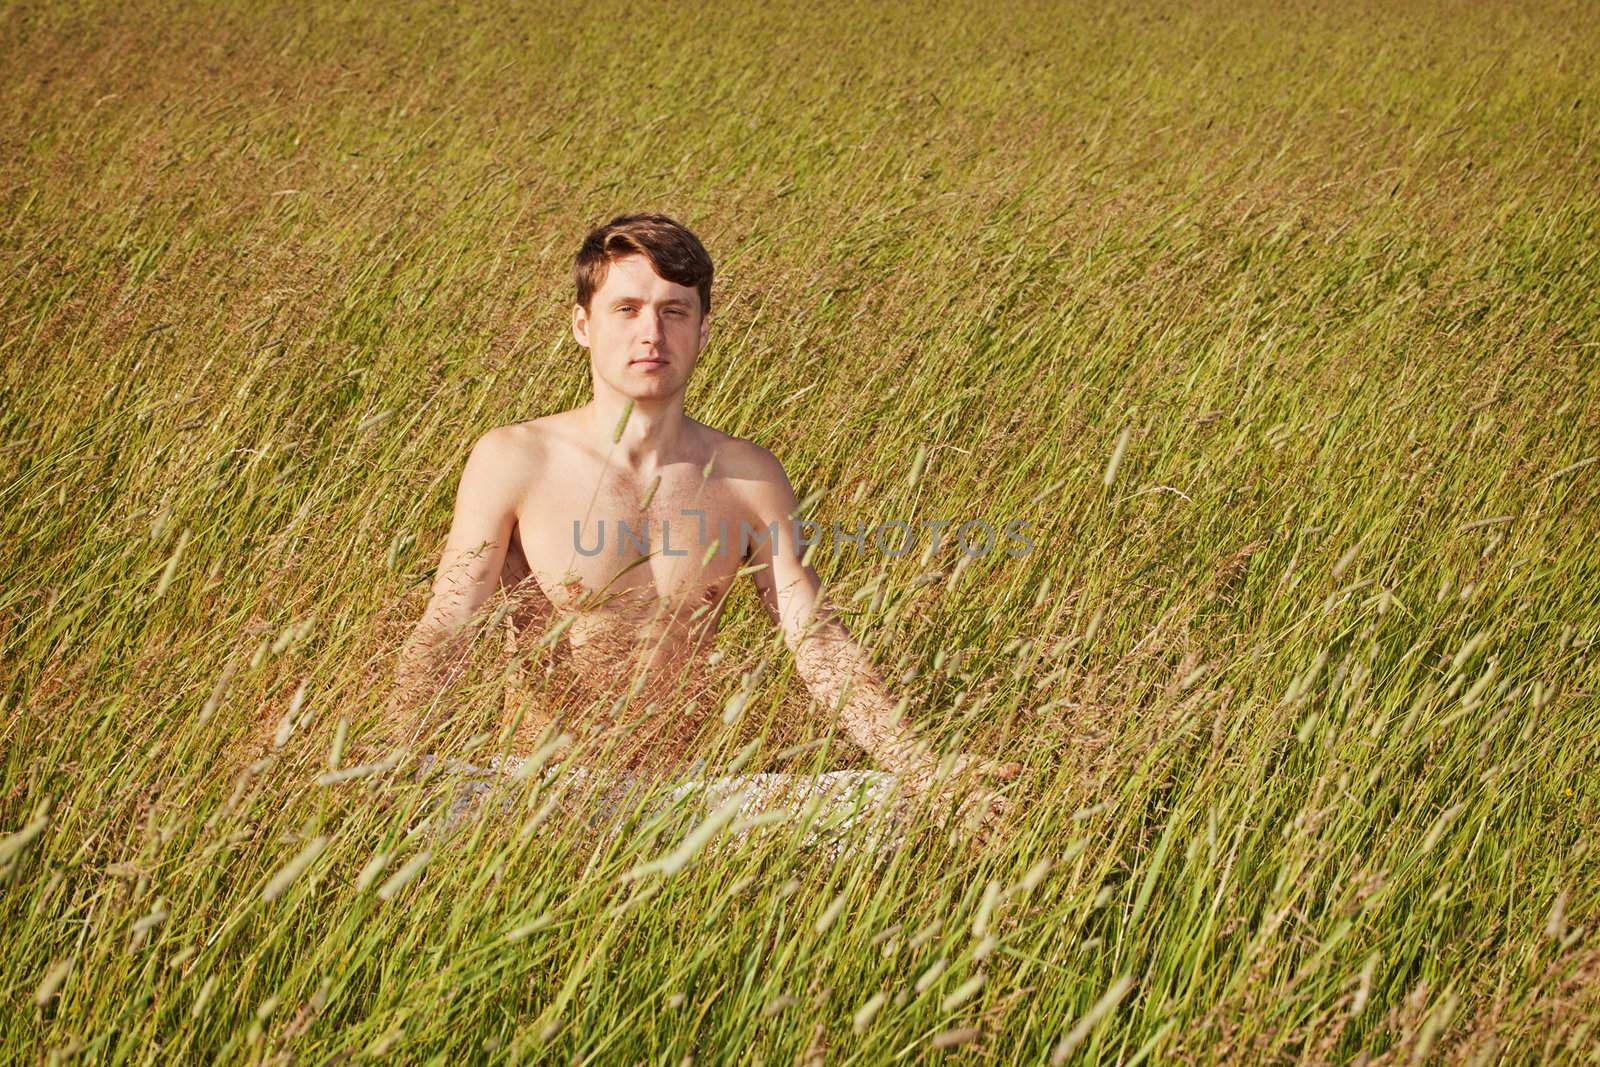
{"x": 1279, "y": 327}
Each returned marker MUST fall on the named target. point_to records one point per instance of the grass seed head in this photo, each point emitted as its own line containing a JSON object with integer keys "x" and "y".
{"x": 527, "y": 929}
{"x": 202, "y": 998}
{"x": 868, "y": 1011}
{"x": 279, "y": 883}
{"x": 371, "y": 869}
{"x": 826, "y": 919}
{"x": 1116, "y": 456}
{"x": 405, "y": 875}
{"x": 13, "y": 845}
{"x": 53, "y": 979}
{"x": 1555, "y": 924}
{"x": 1466, "y": 651}
{"x": 1033, "y": 878}
{"x": 779, "y": 1003}
{"x": 1095, "y": 621}
{"x": 385, "y": 1042}
{"x": 963, "y": 992}
{"x": 1364, "y": 985}
{"x": 986, "y": 906}
{"x": 926, "y": 934}
{"x": 931, "y": 975}
{"x": 954, "y": 1038}
{"x": 1091, "y": 1018}
{"x": 341, "y": 734}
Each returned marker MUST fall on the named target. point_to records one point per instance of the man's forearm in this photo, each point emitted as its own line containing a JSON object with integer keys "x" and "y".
{"x": 429, "y": 661}
{"x": 839, "y": 674}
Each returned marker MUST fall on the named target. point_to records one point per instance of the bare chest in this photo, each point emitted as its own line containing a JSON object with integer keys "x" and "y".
{"x": 597, "y": 541}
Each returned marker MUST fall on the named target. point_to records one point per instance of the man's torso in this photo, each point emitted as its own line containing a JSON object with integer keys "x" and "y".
{"x": 642, "y": 570}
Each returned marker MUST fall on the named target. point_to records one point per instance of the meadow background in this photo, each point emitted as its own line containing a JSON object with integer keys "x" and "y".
{"x": 1278, "y": 321}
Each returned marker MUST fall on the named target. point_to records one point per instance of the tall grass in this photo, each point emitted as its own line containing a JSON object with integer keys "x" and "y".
{"x": 1278, "y": 323}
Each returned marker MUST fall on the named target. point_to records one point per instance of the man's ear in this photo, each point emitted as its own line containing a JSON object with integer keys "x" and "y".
{"x": 705, "y": 329}
{"x": 580, "y": 325}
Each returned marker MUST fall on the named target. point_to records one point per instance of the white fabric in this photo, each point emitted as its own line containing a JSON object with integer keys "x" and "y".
{"x": 836, "y": 805}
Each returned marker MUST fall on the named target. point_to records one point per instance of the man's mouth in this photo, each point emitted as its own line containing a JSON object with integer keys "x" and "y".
{"x": 648, "y": 361}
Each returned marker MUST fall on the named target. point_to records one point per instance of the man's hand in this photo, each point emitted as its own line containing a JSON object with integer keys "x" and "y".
{"x": 981, "y": 810}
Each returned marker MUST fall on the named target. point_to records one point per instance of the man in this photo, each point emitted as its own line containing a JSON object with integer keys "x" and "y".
{"x": 619, "y": 527}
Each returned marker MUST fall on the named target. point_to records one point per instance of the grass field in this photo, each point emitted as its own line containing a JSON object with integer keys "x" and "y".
{"x": 1278, "y": 322}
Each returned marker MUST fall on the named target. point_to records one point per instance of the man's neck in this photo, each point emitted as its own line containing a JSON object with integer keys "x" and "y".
{"x": 653, "y": 436}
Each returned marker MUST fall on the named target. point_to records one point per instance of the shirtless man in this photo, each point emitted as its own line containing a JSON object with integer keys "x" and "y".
{"x": 537, "y": 497}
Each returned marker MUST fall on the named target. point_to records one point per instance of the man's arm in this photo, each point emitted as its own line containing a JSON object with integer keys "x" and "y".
{"x": 474, "y": 553}
{"x": 836, "y": 670}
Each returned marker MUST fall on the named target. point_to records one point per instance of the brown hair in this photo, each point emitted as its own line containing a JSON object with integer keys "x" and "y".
{"x": 675, "y": 253}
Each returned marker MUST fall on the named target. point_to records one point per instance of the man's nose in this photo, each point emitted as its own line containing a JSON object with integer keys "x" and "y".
{"x": 650, "y": 327}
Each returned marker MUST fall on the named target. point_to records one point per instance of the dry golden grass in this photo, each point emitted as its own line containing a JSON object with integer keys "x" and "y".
{"x": 1322, "y": 280}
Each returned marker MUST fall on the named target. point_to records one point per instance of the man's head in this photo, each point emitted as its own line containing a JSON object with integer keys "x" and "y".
{"x": 643, "y": 304}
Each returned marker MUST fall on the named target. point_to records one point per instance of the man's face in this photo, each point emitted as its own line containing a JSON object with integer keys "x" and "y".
{"x": 643, "y": 332}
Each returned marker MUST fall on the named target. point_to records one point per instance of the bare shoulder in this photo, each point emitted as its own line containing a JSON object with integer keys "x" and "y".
{"x": 741, "y": 460}
{"x": 514, "y": 444}
{"x": 514, "y": 454}
{"x": 754, "y": 475}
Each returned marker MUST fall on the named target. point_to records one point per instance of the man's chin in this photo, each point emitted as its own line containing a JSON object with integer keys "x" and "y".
{"x": 650, "y": 390}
